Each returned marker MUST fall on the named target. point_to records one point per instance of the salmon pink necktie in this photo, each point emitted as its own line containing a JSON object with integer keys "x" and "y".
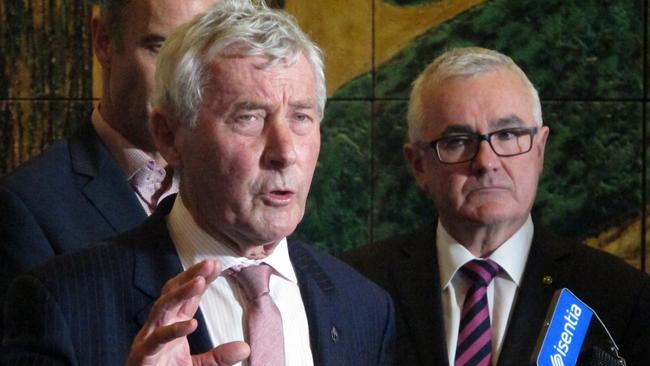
{"x": 265, "y": 335}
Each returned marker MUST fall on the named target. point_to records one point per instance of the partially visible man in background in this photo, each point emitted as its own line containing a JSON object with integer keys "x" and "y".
{"x": 473, "y": 288}
{"x": 107, "y": 177}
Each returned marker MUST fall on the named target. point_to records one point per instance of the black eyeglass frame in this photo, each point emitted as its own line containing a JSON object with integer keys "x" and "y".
{"x": 531, "y": 131}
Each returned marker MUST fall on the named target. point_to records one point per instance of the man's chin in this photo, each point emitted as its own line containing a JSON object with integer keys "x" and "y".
{"x": 490, "y": 213}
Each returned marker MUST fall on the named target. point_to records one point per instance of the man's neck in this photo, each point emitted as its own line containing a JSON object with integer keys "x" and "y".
{"x": 243, "y": 245}
{"x": 481, "y": 239}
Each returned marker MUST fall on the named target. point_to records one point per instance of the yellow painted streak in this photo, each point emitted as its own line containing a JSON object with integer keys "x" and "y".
{"x": 97, "y": 68}
{"x": 622, "y": 240}
{"x": 343, "y": 30}
{"x": 398, "y": 25}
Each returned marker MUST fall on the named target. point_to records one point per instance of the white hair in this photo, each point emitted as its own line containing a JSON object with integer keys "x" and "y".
{"x": 468, "y": 61}
{"x": 250, "y": 29}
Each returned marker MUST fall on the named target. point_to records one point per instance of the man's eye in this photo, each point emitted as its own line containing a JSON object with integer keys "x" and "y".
{"x": 245, "y": 118}
{"x": 506, "y": 135}
{"x": 456, "y": 142}
{"x": 301, "y": 117}
{"x": 302, "y": 123}
{"x": 249, "y": 124}
{"x": 154, "y": 47}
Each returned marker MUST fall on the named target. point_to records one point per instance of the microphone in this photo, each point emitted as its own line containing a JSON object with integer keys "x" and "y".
{"x": 564, "y": 332}
{"x": 596, "y": 356}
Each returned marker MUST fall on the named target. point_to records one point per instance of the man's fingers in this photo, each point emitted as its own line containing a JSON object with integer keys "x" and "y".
{"x": 170, "y": 306}
{"x": 206, "y": 269}
{"x": 172, "y": 314}
{"x": 226, "y": 354}
{"x": 145, "y": 347}
{"x": 165, "y": 334}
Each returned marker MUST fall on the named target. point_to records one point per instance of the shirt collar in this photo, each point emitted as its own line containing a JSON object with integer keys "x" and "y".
{"x": 195, "y": 245}
{"x": 128, "y": 156}
{"x": 511, "y": 255}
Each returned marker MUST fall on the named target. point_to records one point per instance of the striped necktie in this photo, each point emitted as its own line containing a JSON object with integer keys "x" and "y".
{"x": 474, "y": 346}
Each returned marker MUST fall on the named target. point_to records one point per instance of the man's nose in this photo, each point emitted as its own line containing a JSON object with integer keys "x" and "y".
{"x": 280, "y": 145}
{"x": 486, "y": 159}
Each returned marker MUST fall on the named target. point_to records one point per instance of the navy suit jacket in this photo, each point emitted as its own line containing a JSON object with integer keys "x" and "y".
{"x": 69, "y": 196}
{"x": 407, "y": 267}
{"x": 86, "y": 308}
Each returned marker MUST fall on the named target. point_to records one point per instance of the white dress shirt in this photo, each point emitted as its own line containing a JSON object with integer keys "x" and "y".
{"x": 147, "y": 173}
{"x": 501, "y": 292}
{"x": 224, "y": 303}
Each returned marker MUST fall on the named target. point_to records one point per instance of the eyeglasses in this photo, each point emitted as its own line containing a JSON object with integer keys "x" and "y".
{"x": 460, "y": 148}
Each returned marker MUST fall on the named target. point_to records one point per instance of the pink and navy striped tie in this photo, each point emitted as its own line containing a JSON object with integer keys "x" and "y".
{"x": 474, "y": 347}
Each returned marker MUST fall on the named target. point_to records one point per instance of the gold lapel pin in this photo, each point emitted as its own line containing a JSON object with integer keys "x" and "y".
{"x": 547, "y": 280}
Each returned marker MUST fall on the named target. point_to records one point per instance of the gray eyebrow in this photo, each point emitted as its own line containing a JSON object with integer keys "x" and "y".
{"x": 457, "y": 129}
{"x": 306, "y": 104}
{"x": 508, "y": 121}
{"x": 249, "y": 106}
{"x": 511, "y": 120}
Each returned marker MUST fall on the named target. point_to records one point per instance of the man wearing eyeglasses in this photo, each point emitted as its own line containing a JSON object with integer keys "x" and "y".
{"x": 473, "y": 288}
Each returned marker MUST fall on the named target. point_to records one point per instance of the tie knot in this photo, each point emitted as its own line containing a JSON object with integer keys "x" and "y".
{"x": 481, "y": 272}
{"x": 254, "y": 280}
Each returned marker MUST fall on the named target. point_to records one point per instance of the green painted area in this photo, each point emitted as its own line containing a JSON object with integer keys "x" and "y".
{"x": 585, "y": 56}
{"x": 338, "y": 207}
{"x": 592, "y": 177}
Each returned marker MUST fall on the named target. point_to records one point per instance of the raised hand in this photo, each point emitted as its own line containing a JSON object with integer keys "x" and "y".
{"x": 163, "y": 338}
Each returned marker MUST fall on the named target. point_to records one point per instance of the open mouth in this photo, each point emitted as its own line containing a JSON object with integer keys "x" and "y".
{"x": 279, "y": 197}
{"x": 281, "y": 193}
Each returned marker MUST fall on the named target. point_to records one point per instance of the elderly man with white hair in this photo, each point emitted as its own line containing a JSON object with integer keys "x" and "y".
{"x": 474, "y": 286}
{"x": 213, "y": 276}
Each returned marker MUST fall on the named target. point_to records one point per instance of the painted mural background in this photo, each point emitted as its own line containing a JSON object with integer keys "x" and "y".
{"x": 587, "y": 58}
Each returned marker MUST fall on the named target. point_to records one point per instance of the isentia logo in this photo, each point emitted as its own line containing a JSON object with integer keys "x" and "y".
{"x": 566, "y": 330}
{"x": 572, "y": 318}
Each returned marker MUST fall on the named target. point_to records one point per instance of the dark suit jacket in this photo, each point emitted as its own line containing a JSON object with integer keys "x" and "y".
{"x": 69, "y": 196}
{"x": 407, "y": 268}
{"x": 86, "y": 308}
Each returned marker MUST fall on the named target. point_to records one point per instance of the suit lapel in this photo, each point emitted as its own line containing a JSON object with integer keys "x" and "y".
{"x": 532, "y": 300}
{"x": 156, "y": 261}
{"x": 317, "y": 292}
{"x": 418, "y": 285}
{"x": 101, "y": 181}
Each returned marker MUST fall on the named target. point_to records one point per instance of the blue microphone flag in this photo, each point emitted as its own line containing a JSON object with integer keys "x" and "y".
{"x": 567, "y": 329}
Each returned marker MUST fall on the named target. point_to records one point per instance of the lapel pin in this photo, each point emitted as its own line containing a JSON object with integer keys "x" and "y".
{"x": 334, "y": 334}
{"x": 547, "y": 280}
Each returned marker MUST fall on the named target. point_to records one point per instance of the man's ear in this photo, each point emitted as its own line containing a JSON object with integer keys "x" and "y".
{"x": 415, "y": 159}
{"x": 540, "y": 146}
{"x": 165, "y": 131}
{"x": 102, "y": 42}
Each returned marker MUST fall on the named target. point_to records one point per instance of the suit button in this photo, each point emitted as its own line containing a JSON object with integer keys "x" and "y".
{"x": 334, "y": 334}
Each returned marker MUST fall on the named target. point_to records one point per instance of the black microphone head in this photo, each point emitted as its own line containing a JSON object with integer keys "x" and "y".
{"x": 596, "y": 356}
